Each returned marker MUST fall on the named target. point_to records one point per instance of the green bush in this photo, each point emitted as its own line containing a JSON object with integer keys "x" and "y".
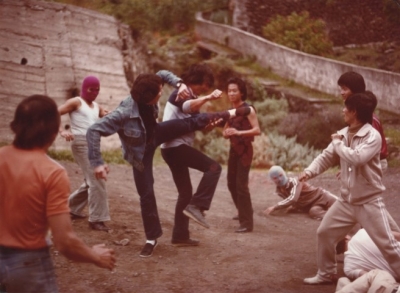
{"x": 289, "y": 154}
{"x": 151, "y": 15}
{"x": 313, "y": 128}
{"x": 299, "y": 32}
{"x": 270, "y": 111}
{"x": 109, "y": 156}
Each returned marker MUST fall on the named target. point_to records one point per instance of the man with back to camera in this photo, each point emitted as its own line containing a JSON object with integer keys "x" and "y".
{"x": 34, "y": 192}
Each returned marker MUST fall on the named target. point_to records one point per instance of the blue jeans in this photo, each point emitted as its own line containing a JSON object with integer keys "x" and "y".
{"x": 179, "y": 160}
{"x": 23, "y": 271}
{"x": 144, "y": 180}
{"x": 238, "y": 185}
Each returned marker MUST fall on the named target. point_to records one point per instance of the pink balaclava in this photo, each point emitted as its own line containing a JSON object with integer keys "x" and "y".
{"x": 93, "y": 83}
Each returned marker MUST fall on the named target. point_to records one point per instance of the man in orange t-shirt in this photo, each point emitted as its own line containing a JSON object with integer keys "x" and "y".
{"x": 34, "y": 191}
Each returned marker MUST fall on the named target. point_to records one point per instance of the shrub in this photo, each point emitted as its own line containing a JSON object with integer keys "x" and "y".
{"x": 313, "y": 128}
{"x": 288, "y": 154}
{"x": 299, "y": 32}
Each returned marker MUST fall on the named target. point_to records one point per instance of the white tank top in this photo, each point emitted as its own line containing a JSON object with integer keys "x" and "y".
{"x": 83, "y": 117}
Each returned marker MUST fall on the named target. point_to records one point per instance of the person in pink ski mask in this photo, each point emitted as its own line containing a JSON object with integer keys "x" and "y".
{"x": 83, "y": 112}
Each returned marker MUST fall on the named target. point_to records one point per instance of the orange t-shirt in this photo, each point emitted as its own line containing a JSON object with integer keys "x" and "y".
{"x": 33, "y": 187}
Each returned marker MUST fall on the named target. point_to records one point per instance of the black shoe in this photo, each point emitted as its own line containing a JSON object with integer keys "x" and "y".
{"x": 187, "y": 242}
{"x": 195, "y": 214}
{"x": 77, "y": 217}
{"x": 242, "y": 111}
{"x": 148, "y": 249}
{"x": 98, "y": 226}
{"x": 243, "y": 230}
{"x": 236, "y": 218}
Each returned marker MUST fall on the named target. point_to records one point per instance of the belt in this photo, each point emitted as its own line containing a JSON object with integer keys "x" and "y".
{"x": 8, "y": 250}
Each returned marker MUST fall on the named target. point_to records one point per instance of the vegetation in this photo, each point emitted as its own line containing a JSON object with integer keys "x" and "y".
{"x": 290, "y": 140}
{"x": 172, "y": 16}
{"x": 299, "y": 32}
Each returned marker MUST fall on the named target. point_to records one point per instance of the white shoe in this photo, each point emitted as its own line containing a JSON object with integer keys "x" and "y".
{"x": 318, "y": 280}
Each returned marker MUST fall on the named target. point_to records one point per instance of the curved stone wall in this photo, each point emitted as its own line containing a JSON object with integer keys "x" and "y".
{"x": 312, "y": 71}
{"x": 48, "y": 48}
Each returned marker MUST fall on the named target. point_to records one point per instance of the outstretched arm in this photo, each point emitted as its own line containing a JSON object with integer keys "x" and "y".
{"x": 194, "y": 105}
{"x": 68, "y": 243}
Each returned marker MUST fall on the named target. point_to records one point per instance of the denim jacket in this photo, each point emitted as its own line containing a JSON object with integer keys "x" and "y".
{"x": 126, "y": 121}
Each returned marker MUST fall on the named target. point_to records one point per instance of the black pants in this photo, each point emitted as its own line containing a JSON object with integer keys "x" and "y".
{"x": 238, "y": 185}
{"x": 179, "y": 160}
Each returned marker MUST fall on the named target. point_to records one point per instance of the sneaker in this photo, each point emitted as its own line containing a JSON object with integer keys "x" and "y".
{"x": 98, "y": 226}
{"x": 195, "y": 214}
{"x": 187, "y": 242}
{"x": 148, "y": 249}
{"x": 319, "y": 280}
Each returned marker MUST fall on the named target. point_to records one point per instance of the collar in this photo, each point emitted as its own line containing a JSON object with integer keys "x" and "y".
{"x": 364, "y": 130}
{"x": 133, "y": 105}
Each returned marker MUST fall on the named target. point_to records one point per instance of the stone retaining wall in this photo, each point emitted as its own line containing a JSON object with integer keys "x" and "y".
{"x": 312, "y": 71}
{"x": 49, "y": 48}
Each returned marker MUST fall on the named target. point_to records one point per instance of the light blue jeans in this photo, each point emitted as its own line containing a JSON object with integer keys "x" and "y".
{"x": 92, "y": 191}
{"x": 27, "y": 271}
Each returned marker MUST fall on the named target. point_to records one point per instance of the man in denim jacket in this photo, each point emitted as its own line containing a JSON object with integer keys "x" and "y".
{"x": 135, "y": 122}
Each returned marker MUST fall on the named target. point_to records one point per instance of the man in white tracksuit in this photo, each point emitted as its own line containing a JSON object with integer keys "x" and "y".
{"x": 356, "y": 148}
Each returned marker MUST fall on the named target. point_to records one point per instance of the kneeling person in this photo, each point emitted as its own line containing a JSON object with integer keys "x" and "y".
{"x": 298, "y": 195}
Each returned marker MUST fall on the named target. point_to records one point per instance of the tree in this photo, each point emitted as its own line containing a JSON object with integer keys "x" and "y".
{"x": 299, "y": 32}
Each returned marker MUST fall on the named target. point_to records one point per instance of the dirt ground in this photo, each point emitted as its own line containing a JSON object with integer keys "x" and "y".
{"x": 275, "y": 257}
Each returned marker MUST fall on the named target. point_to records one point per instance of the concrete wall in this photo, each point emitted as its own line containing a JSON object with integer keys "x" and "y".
{"x": 61, "y": 44}
{"x": 309, "y": 70}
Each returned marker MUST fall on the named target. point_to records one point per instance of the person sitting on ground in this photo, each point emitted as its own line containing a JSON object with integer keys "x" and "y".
{"x": 299, "y": 196}
{"x": 34, "y": 192}
{"x": 375, "y": 281}
{"x": 362, "y": 255}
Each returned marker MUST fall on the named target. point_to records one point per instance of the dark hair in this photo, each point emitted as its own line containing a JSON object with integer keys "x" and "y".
{"x": 353, "y": 80}
{"x": 364, "y": 106}
{"x": 146, "y": 88}
{"x": 241, "y": 85}
{"x": 373, "y": 97}
{"x": 198, "y": 74}
{"x": 36, "y": 122}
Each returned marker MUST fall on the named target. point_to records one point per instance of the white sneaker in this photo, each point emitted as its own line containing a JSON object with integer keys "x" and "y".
{"x": 318, "y": 280}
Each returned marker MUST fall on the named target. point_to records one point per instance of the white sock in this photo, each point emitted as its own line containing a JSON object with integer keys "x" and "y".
{"x": 152, "y": 242}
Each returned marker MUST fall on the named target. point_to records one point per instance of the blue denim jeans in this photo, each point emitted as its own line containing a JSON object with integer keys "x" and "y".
{"x": 144, "y": 180}
{"x": 179, "y": 160}
{"x": 25, "y": 271}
